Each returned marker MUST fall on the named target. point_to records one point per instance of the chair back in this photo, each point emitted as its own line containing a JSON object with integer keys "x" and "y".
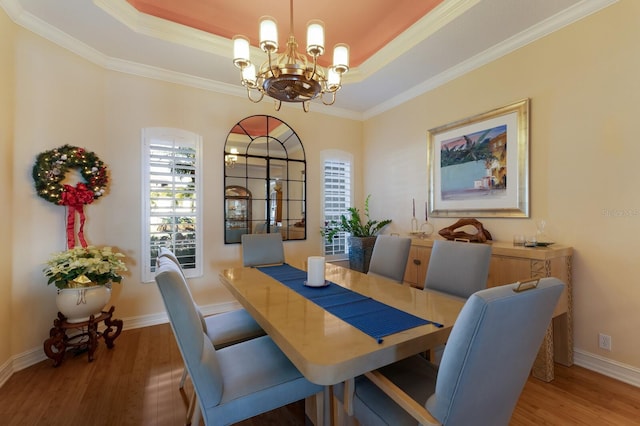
{"x": 196, "y": 348}
{"x": 458, "y": 268}
{"x": 389, "y": 257}
{"x": 165, "y": 252}
{"x": 262, "y": 249}
{"x": 490, "y": 352}
{"x": 168, "y": 254}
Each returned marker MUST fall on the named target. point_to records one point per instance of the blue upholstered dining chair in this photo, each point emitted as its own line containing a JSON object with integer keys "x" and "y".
{"x": 238, "y": 381}
{"x": 222, "y": 329}
{"x": 458, "y": 268}
{"x": 389, "y": 257}
{"x": 484, "y": 368}
{"x": 262, "y": 249}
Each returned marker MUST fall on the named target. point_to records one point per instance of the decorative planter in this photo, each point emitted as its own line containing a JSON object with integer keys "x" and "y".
{"x": 78, "y": 304}
{"x": 360, "y": 250}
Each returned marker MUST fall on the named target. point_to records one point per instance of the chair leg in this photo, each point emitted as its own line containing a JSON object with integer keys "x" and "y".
{"x": 193, "y": 402}
{"x": 195, "y": 421}
{"x": 184, "y": 377}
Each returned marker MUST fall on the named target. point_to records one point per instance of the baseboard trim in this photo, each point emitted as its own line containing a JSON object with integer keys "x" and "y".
{"x": 36, "y": 355}
{"x": 6, "y": 371}
{"x": 614, "y": 369}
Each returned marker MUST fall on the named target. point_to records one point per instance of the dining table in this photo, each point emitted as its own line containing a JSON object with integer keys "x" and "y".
{"x": 327, "y": 348}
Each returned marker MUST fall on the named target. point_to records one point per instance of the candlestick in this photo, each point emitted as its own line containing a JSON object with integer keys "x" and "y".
{"x": 414, "y": 207}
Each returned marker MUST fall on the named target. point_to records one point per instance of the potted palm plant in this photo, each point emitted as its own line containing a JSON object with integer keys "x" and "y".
{"x": 83, "y": 276}
{"x": 362, "y": 235}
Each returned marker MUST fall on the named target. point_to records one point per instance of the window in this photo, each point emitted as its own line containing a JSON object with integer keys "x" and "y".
{"x": 171, "y": 194}
{"x": 337, "y": 190}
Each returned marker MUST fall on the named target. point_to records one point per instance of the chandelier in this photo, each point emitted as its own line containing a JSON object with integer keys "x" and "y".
{"x": 230, "y": 160}
{"x": 290, "y": 76}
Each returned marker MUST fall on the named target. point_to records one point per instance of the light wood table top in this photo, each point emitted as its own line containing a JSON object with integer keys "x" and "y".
{"x": 323, "y": 347}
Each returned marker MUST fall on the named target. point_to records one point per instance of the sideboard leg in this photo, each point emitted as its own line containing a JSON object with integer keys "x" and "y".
{"x": 543, "y": 365}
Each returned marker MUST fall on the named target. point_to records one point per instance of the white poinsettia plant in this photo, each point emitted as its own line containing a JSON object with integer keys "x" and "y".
{"x": 85, "y": 266}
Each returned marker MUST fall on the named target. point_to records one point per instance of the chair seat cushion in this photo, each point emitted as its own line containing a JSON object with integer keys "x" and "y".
{"x": 415, "y": 375}
{"x": 257, "y": 377}
{"x": 231, "y": 327}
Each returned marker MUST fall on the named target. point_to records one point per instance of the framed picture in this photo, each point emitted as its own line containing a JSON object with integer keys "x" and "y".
{"x": 479, "y": 166}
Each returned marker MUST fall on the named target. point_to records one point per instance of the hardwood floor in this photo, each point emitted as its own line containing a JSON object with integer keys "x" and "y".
{"x": 136, "y": 383}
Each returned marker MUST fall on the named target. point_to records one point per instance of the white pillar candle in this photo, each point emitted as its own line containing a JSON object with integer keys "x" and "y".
{"x": 315, "y": 271}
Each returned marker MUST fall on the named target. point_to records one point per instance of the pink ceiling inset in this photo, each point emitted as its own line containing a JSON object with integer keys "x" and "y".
{"x": 365, "y": 25}
{"x": 257, "y": 126}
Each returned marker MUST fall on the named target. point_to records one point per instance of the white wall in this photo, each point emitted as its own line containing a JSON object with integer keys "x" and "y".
{"x": 585, "y": 90}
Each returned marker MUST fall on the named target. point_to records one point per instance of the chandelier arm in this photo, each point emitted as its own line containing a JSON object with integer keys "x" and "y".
{"x": 333, "y": 97}
{"x": 275, "y": 71}
{"x": 315, "y": 67}
{"x": 255, "y": 101}
{"x": 277, "y": 104}
{"x": 305, "y": 106}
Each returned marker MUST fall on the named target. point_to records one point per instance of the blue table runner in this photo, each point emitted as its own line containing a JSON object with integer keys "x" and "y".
{"x": 366, "y": 314}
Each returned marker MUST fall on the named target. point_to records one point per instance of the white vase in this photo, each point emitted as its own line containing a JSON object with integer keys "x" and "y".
{"x": 78, "y": 304}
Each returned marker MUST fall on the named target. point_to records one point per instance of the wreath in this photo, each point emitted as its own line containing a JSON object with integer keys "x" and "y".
{"x": 49, "y": 171}
{"x": 51, "y": 167}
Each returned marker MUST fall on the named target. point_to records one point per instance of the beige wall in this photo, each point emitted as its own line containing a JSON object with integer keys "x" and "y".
{"x": 584, "y": 87}
{"x": 62, "y": 98}
{"x": 7, "y": 83}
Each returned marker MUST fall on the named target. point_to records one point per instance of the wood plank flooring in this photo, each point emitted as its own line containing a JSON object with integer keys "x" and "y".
{"x": 136, "y": 383}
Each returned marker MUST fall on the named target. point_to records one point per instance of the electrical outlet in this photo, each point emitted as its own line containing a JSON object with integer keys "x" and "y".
{"x": 604, "y": 341}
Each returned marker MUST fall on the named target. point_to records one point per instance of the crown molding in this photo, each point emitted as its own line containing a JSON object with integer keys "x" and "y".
{"x": 36, "y": 25}
{"x": 162, "y": 29}
{"x": 26, "y": 20}
{"x": 569, "y": 16}
{"x": 201, "y": 40}
{"x": 424, "y": 28}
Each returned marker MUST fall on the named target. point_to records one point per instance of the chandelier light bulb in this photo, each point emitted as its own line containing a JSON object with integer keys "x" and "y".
{"x": 315, "y": 37}
{"x": 249, "y": 75}
{"x": 241, "y": 53}
{"x": 341, "y": 58}
{"x": 268, "y": 34}
{"x": 333, "y": 80}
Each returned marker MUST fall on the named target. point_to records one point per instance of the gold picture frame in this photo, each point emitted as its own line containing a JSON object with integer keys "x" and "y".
{"x": 479, "y": 166}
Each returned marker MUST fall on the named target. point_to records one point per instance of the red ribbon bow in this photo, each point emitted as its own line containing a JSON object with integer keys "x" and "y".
{"x": 75, "y": 198}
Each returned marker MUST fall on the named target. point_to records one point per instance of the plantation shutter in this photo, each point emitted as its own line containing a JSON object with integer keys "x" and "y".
{"x": 172, "y": 191}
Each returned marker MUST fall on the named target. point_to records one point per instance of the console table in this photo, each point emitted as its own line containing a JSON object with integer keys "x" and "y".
{"x": 58, "y": 342}
{"x": 508, "y": 265}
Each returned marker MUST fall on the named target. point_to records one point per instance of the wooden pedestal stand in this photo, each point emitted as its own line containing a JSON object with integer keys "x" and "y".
{"x": 57, "y": 344}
